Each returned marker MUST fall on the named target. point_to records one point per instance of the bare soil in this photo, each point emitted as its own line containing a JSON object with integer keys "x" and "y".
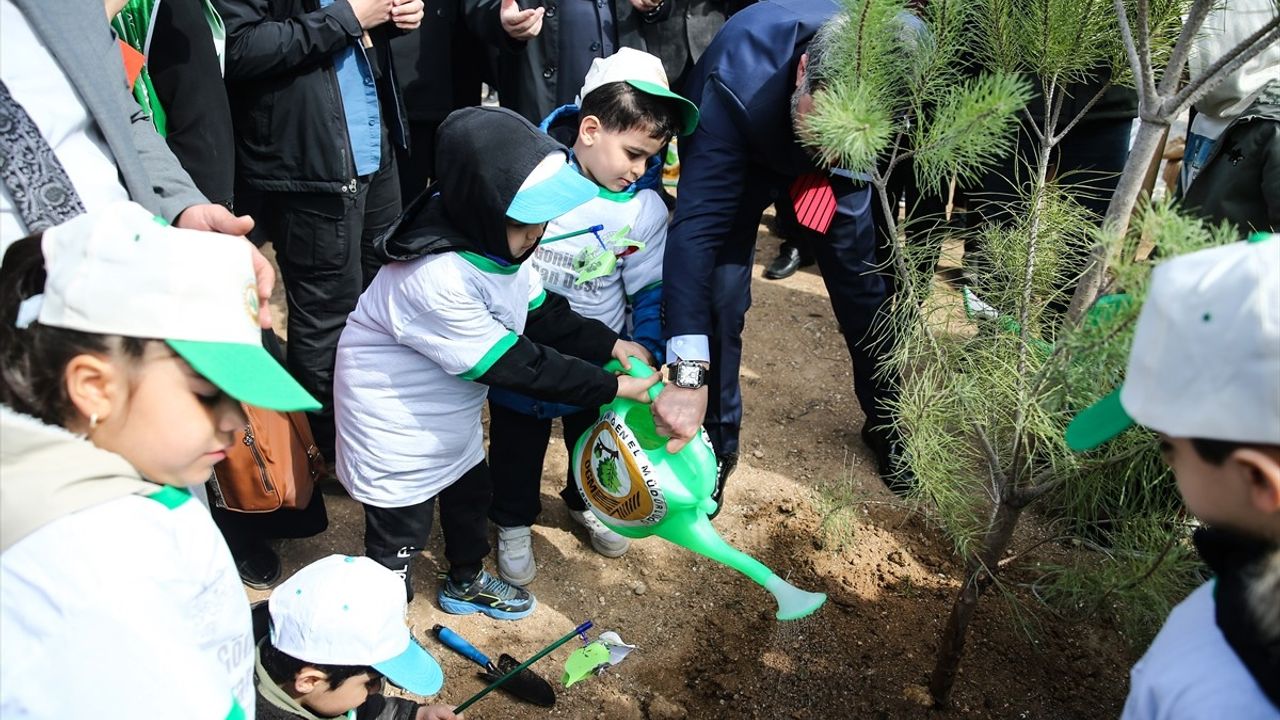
{"x": 807, "y": 502}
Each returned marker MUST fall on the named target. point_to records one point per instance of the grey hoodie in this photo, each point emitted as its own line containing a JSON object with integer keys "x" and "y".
{"x": 47, "y": 472}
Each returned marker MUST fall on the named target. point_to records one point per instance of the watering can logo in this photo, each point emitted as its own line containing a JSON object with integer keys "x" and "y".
{"x": 617, "y": 478}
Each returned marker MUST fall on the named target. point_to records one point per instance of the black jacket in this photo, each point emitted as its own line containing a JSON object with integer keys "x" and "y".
{"x": 1240, "y": 181}
{"x": 291, "y": 130}
{"x": 483, "y": 154}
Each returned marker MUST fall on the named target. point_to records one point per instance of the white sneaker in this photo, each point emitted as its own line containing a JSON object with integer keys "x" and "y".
{"x": 515, "y": 555}
{"x": 605, "y": 541}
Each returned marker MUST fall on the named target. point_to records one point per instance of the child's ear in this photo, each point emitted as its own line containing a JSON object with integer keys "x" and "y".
{"x": 94, "y": 386}
{"x": 589, "y": 130}
{"x": 1263, "y": 469}
{"x": 308, "y": 680}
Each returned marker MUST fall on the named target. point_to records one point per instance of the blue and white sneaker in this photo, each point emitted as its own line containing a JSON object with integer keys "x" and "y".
{"x": 486, "y": 594}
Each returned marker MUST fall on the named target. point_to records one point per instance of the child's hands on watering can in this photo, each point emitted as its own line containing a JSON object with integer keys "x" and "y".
{"x": 437, "y": 712}
{"x": 624, "y": 350}
{"x": 634, "y": 388}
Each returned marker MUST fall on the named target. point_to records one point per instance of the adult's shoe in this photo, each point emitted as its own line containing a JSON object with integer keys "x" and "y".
{"x": 886, "y": 446}
{"x": 259, "y": 566}
{"x": 605, "y": 541}
{"x": 790, "y": 258}
{"x": 486, "y": 594}
{"x": 515, "y": 555}
{"x": 725, "y": 465}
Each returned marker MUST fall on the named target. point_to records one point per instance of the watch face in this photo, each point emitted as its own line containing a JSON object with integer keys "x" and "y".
{"x": 688, "y": 376}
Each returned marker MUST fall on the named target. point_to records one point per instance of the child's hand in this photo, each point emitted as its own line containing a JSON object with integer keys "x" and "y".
{"x": 635, "y": 388}
{"x": 624, "y": 350}
{"x": 437, "y": 712}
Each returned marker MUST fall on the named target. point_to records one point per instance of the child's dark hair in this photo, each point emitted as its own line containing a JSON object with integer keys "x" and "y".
{"x": 32, "y": 359}
{"x": 621, "y": 107}
{"x": 283, "y": 667}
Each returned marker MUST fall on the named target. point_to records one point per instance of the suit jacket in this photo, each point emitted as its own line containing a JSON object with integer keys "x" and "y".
{"x": 743, "y": 85}
{"x": 682, "y": 31}
{"x": 78, "y": 36}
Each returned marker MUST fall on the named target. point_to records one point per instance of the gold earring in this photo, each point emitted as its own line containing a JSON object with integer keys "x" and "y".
{"x": 93, "y": 422}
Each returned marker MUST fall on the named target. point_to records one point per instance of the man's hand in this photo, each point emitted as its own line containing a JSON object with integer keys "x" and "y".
{"x": 646, "y": 6}
{"x": 216, "y": 218}
{"x": 372, "y": 13}
{"x": 678, "y": 413}
{"x": 520, "y": 24}
{"x": 437, "y": 712}
{"x": 634, "y": 388}
{"x": 624, "y": 350}
{"x": 407, "y": 14}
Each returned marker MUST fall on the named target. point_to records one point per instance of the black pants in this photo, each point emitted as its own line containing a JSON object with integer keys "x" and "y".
{"x": 394, "y": 536}
{"x": 323, "y": 244}
{"x": 847, "y": 260}
{"x": 517, "y": 447}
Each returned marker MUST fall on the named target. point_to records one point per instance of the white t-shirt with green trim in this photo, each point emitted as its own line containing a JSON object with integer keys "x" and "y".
{"x": 606, "y": 298}
{"x": 406, "y": 410}
{"x": 128, "y": 609}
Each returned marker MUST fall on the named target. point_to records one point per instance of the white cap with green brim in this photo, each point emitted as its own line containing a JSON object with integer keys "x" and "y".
{"x": 344, "y": 610}
{"x": 552, "y": 189}
{"x": 1205, "y": 361}
{"x": 645, "y": 73}
{"x": 122, "y": 271}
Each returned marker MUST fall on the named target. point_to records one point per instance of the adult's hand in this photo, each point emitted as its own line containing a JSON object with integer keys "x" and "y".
{"x": 520, "y": 24}
{"x": 216, "y": 218}
{"x": 678, "y": 413}
{"x": 372, "y": 13}
{"x": 646, "y": 6}
{"x": 407, "y": 14}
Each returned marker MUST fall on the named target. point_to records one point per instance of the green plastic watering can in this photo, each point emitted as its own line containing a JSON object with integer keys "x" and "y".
{"x": 626, "y": 476}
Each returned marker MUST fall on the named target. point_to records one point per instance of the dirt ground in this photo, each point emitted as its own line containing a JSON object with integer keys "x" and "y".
{"x": 708, "y": 645}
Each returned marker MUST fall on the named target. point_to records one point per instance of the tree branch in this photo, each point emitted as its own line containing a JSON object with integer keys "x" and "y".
{"x": 1031, "y": 122}
{"x": 1135, "y": 62}
{"x": 1080, "y": 116}
{"x": 998, "y": 479}
{"x": 1144, "y": 49}
{"x": 1182, "y": 48}
{"x": 1248, "y": 48}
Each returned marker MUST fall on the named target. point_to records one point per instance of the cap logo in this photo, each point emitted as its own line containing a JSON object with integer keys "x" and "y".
{"x": 251, "y": 302}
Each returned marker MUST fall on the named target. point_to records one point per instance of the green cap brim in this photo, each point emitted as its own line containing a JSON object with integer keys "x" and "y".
{"x": 1098, "y": 423}
{"x": 551, "y": 198}
{"x": 247, "y": 373}
{"x": 688, "y": 111}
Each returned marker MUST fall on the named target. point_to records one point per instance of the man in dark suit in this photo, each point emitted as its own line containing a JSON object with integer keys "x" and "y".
{"x": 754, "y": 86}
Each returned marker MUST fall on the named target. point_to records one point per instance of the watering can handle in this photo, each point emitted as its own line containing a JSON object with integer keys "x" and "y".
{"x": 639, "y": 369}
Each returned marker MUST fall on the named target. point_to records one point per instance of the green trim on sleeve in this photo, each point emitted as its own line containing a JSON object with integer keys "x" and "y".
{"x": 236, "y": 712}
{"x": 536, "y": 303}
{"x": 170, "y": 496}
{"x": 487, "y": 264}
{"x": 632, "y": 297}
{"x": 499, "y": 349}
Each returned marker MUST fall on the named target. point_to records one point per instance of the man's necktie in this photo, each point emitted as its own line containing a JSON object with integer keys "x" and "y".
{"x": 814, "y": 201}
{"x": 41, "y": 191}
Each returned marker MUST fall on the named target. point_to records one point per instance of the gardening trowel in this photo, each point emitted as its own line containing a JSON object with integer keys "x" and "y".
{"x": 525, "y": 685}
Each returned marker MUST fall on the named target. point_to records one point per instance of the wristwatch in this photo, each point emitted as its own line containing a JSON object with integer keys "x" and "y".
{"x": 687, "y": 374}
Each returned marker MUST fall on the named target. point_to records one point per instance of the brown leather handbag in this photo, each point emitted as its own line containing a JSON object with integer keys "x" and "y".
{"x": 273, "y": 464}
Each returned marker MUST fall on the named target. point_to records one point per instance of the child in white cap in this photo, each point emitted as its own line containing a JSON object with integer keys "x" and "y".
{"x": 128, "y": 347}
{"x": 337, "y": 629}
{"x": 627, "y": 114}
{"x": 459, "y": 310}
{"x": 1204, "y": 374}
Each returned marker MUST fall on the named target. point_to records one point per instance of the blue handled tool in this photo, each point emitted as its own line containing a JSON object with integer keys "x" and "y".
{"x": 524, "y": 685}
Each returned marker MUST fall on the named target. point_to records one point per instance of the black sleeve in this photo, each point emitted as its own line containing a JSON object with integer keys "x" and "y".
{"x": 381, "y": 707}
{"x": 555, "y": 324}
{"x": 544, "y": 374}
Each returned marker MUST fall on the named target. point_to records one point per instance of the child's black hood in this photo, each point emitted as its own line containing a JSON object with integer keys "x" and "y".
{"x": 483, "y": 154}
